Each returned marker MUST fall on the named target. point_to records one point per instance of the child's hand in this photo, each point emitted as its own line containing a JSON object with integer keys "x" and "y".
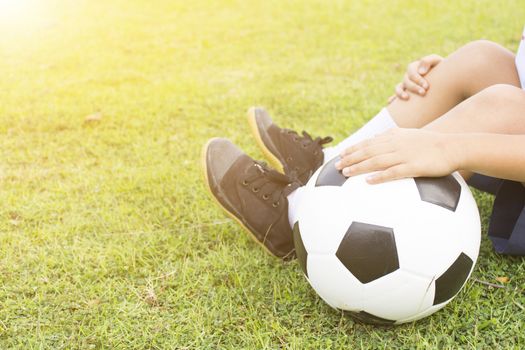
{"x": 413, "y": 80}
{"x": 400, "y": 153}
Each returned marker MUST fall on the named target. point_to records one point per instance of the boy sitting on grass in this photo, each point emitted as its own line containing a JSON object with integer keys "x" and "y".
{"x": 465, "y": 112}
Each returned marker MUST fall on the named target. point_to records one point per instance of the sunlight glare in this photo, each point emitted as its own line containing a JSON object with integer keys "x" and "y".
{"x": 10, "y": 9}
{"x": 22, "y": 17}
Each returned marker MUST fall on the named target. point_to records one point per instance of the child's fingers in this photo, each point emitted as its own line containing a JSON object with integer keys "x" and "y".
{"x": 400, "y": 92}
{"x": 384, "y": 137}
{"x": 413, "y": 80}
{"x": 395, "y": 172}
{"x": 391, "y": 98}
{"x": 353, "y": 148}
{"x": 358, "y": 146}
{"x": 351, "y": 160}
{"x": 415, "y": 77}
{"x": 363, "y": 154}
{"x": 427, "y": 62}
{"x": 380, "y": 162}
{"x": 412, "y": 87}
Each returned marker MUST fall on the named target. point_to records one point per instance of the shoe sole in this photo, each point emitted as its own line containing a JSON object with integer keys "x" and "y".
{"x": 225, "y": 209}
{"x": 273, "y": 160}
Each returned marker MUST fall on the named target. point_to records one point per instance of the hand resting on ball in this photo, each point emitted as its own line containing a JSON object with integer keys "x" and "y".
{"x": 400, "y": 153}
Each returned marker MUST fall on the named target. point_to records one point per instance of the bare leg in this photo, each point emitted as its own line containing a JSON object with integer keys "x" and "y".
{"x": 498, "y": 109}
{"x": 464, "y": 73}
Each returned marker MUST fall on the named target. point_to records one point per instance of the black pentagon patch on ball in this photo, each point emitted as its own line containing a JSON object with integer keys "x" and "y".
{"x": 365, "y": 317}
{"x": 330, "y": 176}
{"x": 443, "y": 191}
{"x": 368, "y": 251}
{"x": 300, "y": 251}
{"x": 450, "y": 282}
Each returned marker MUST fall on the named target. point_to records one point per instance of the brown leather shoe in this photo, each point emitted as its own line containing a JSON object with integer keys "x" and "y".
{"x": 251, "y": 193}
{"x": 286, "y": 149}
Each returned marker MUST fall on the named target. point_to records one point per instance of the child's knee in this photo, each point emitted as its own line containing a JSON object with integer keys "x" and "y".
{"x": 501, "y": 95}
{"x": 485, "y": 48}
{"x": 483, "y": 54}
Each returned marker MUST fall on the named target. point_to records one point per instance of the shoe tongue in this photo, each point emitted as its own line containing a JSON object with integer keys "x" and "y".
{"x": 260, "y": 167}
{"x": 277, "y": 177}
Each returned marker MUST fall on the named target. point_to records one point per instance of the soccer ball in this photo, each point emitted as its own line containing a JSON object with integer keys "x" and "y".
{"x": 388, "y": 253}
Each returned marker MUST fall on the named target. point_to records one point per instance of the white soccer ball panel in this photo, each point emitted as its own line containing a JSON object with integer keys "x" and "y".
{"x": 334, "y": 284}
{"x": 428, "y": 244}
{"x": 395, "y": 296}
{"x": 324, "y": 218}
{"x": 468, "y": 220}
{"x": 427, "y": 312}
{"x": 381, "y": 204}
{"x": 428, "y": 298}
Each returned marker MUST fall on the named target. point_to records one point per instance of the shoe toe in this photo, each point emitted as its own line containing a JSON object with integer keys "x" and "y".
{"x": 220, "y": 155}
{"x": 261, "y": 116}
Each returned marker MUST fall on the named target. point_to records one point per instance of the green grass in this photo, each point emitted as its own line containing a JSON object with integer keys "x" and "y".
{"x": 107, "y": 236}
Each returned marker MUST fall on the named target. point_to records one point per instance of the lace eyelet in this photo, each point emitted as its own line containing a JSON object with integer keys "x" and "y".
{"x": 304, "y": 146}
{"x": 275, "y": 204}
{"x": 289, "y": 159}
{"x": 296, "y": 139}
{"x": 265, "y": 196}
{"x": 244, "y": 183}
{"x": 255, "y": 189}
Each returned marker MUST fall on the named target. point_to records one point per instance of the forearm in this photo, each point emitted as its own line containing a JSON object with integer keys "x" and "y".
{"x": 496, "y": 155}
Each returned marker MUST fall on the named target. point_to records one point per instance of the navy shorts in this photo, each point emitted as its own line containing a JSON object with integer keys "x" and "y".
{"x": 507, "y": 221}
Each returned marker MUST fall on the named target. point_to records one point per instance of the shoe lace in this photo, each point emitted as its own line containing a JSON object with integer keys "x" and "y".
{"x": 270, "y": 183}
{"x": 306, "y": 139}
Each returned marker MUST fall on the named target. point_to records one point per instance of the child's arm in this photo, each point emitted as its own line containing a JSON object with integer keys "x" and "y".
{"x": 496, "y": 155}
{"x": 403, "y": 153}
